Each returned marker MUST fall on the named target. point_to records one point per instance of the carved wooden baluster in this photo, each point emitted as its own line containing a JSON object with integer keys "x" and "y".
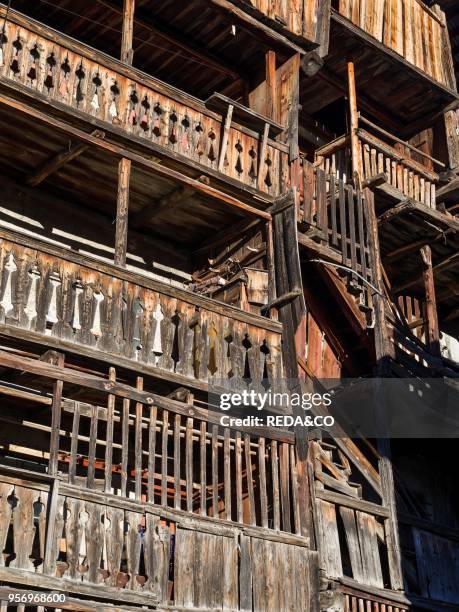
{"x": 195, "y": 325}
{"x": 212, "y": 360}
{"x": 264, "y": 350}
{"x": 133, "y": 547}
{"x": 157, "y": 122}
{"x": 144, "y": 120}
{"x": 157, "y": 348}
{"x": 76, "y": 318}
{"x": 95, "y": 102}
{"x": 32, "y": 73}
{"x": 79, "y": 95}
{"x": 268, "y": 180}
{"x": 9, "y": 274}
{"x": 185, "y": 140}
{"x": 51, "y": 314}
{"x": 83, "y": 519}
{"x": 16, "y": 61}
{"x": 22, "y": 503}
{"x": 3, "y": 41}
{"x": 94, "y": 542}
{"x": 113, "y": 108}
{"x": 247, "y": 375}
{"x": 138, "y": 311}
{"x": 49, "y": 80}
{"x": 96, "y": 329}
{"x": 64, "y": 83}
{"x": 173, "y": 118}
{"x": 114, "y": 523}
{"x": 229, "y": 339}
{"x": 133, "y": 101}
{"x": 253, "y": 172}
{"x": 199, "y": 149}
{"x": 239, "y": 167}
{"x": 211, "y": 153}
{"x": 30, "y": 309}
{"x": 175, "y": 353}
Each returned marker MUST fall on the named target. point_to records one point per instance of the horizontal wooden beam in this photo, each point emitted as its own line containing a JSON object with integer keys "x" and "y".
{"x": 58, "y": 160}
{"x": 166, "y": 203}
{"x": 118, "y": 150}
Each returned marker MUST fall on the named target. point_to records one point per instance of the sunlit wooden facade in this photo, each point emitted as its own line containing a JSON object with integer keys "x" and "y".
{"x": 237, "y": 191}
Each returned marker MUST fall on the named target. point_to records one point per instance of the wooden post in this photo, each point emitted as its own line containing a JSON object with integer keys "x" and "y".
{"x": 383, "y": 351}
{"x": 226, "y": 130}
{"x": 354, "y": 124}
{"x": 433, "y": 334}
{"x": 271, "y": 106}
{"x": 55, "y": 420}
{"x": 122, "y": 208}
{"x": 128, "y": 31}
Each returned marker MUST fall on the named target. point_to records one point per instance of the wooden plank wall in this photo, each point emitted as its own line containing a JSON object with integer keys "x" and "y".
{"x": 62, "y": 73}
{"x": 80, "y": 304}
{"x": 408, "y": 27}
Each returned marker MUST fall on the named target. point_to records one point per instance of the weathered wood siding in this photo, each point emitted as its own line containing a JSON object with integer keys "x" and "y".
{"x": 67, "y": 297}
{"x": 93, "y": 85}
{"x": 408, "y": 27}
{"x": 135, "y": 554}
{"x": 306, "y": 18}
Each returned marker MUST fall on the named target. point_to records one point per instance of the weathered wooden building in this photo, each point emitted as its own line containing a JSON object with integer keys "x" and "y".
{"x": 223, "y": 190}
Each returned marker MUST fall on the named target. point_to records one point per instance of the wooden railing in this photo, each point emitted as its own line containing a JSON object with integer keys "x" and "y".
{"x": 336, "y": 216}
{"x": 61, "y": 538}
{"x": 134, "y": 444}
{"x": 146, "y": 499}
{"x": 70, "y": 75}
{"x": 410, "y": 28}
{"x": 409, "y": 177}
{"x": 61, "y": 298}
{"x": 377, "y": 159}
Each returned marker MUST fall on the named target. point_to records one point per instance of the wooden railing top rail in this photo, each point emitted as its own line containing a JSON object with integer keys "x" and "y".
{"x": 384, "y": 596}
{"x": 131, "y": 72}
{"x": 140, "y": 280}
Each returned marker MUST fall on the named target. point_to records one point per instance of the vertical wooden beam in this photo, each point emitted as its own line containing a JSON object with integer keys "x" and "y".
{"x": 56, "y": 420}
{"x": 127, "y": 52}
{"x": 382, "y": 349}
{"x": 433, "y": 333}
{"x": 224, "y": 140}
{"x": 354, "y": 123}
{"x": 122, "y": 208}
{"x": 271, "y": 105}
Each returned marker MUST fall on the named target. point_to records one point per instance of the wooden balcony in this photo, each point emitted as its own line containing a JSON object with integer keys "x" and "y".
{"x": 395, "y": 173}
{"x": 89, "y": 87}
{"x": 60, "y": 298}
{"x": 410, "y": 28}
{"x": 142, "y": 499}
